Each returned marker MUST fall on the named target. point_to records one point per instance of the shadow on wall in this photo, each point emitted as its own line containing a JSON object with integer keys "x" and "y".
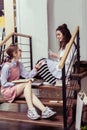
{"x": 50, "y": 15}
{"x": 51, "y": 25}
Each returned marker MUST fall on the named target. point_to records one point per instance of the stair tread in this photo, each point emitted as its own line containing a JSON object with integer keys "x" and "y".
{"x": 81, "y": 75}
{"x": 22, "y": 117}
{"x": 48, "y": 102}
{"x": 55, "y": 87}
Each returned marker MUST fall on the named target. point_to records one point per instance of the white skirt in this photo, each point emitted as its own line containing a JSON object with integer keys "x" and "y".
{"x": 53, "y": 68}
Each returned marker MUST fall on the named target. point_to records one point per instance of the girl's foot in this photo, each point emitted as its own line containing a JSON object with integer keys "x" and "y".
{"x": 32, "y": 114}
{"x": 48, "y": 113}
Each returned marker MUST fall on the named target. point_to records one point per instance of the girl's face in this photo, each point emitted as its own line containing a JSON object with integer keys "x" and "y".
{"x": 17, "y": 54}
{"x": 59, "y": 36}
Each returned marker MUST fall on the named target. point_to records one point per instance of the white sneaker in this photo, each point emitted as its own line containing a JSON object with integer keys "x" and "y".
{"x": 32, "y": 114}
{"x": 48, "y": 113}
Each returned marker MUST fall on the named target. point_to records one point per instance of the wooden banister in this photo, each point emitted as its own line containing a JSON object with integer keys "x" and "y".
{"x": 22, "y": 35}
{"x": 62, "y": 62}
{"x": 10, "y": 35}
{"x": 6, "y": 38}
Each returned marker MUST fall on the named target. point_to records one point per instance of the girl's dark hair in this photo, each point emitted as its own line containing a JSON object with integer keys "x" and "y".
{"x": 12, "y": 48}
{"x": 66, "y": 34}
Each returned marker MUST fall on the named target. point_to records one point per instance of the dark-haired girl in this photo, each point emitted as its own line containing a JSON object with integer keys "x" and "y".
{"x": 50, "y": 71}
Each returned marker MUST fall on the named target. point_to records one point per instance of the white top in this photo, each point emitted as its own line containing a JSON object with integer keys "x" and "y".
{"x": 53, "y": 65}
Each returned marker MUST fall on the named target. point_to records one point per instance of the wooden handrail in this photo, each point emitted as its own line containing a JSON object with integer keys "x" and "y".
{"x": 22, "y": 35}
{"x": 6, "y": 38}
{"x": 62, "y": 62}
{"x": 10, "y": 35}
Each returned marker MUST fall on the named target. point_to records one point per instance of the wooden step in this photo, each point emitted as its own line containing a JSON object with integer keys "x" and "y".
{"x": 44, "y": 101}
{"x": 80, "y": 75}
{"x": 47, "y": 102}
{"x": 22, "y": 117}
{"x": 58, "y": 88}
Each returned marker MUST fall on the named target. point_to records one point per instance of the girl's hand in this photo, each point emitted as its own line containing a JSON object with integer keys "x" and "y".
{"x": 53, "y": 55}
{"x": 41, "y": 63}
{"x": 50, "y": 53}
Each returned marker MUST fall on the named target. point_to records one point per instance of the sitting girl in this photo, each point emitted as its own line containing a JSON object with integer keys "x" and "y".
{"x": 50, "y": 71}
{"x": 12, "y": 71}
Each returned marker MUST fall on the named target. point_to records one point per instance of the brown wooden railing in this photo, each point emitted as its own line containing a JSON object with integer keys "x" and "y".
{"x": 73, "y": 41}
{"x": 11, "y": 39}
{"x": 62, "y": 62}
{"x": 13, "y": 34}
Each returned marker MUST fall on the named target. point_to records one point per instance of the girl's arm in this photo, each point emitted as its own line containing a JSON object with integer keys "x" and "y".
{"x": 53, "y": 55}
{"x": 27, "y": 74}
{"x": 4, "y": 76}
{"x": 33, "y": 72}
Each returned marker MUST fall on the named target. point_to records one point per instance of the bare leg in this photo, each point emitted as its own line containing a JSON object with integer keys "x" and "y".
{"x": 25, "y": 89}
{"x": 31, "y": 100}
{"x": 28, "y": 95}
{"x": 37, "y": 103}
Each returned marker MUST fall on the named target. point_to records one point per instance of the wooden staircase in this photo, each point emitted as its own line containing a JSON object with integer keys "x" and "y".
{"x": 21, "y": 117}
{"x": 62, "y": 97}
{"x": 53, "y": 100}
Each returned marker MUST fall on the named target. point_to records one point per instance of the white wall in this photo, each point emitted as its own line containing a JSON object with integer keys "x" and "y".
{"x": 32, "y": 20}
{"x": 71, "y": 12}
{"x": 9, "y": 18}
{"x": 84, "y": 31}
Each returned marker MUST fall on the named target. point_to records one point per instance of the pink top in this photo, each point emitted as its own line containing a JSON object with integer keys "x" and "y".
{"x": 9, "y": 93}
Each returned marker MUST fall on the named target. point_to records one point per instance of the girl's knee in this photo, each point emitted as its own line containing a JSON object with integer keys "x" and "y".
{"x": 28, "y": 84}
{"x": 42, "y": 59}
